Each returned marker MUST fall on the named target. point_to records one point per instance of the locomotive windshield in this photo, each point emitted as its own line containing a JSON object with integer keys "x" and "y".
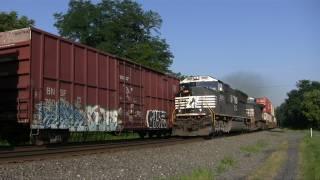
{"x": 198, "y": 88}
{"x": 213, "y": 85}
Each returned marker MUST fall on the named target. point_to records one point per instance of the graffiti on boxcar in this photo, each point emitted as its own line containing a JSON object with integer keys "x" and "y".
{"x": 132, "y": 113}
{"x": 63, "y": 115}
{"x": 101, "y": 119}
{"x": 156, "y": 119}
{"x": 58, "y": 114}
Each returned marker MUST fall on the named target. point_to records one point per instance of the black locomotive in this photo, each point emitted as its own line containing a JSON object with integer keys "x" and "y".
{"x": 206, "y": 106}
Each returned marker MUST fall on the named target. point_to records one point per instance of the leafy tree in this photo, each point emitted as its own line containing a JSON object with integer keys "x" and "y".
{"x": 120, "y": 27}
{"x": 311, "y": 106}
{"x": 301, "y": 108}
{"x": 10, "y": 21}
{"x": 280, "y": 112}
{"x": 179, "y": 75}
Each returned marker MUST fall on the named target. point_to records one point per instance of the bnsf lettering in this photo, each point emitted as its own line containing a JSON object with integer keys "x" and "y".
{"x": 51, "y": 91}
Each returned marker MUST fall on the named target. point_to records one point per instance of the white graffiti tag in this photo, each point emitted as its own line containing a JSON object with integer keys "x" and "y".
{"x": 106, "y": 119}
{"x": 156, "y": 119}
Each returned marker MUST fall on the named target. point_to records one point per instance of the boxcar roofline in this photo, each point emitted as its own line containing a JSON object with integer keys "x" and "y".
{"x": 100, "y": 51}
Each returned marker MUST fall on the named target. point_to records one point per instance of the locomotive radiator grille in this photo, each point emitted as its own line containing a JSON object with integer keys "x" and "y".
{"x": 195, "y": 102}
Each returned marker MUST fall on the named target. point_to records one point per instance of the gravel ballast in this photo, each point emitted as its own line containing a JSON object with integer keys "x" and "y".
{"x": 150, "y": 163}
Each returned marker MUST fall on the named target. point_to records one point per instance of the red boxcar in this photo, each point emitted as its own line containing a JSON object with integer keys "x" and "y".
{"x": 49, "y": 84}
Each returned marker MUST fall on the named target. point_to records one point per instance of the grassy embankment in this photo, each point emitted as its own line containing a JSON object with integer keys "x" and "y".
{"x": 270, "y": 168}
{"x": 225, "y": 164}
{"x": 205, "y": 174}
{"x": 310, "y": 156}
{"x": 309, "y": 159}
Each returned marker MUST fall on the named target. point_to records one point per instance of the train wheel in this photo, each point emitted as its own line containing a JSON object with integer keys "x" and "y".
{"x": 168, "y": 134}
{"x": 151, "y": 134}
{"x": 65, "y": 137}
{"x": 158, "y": 134}
{"x": 36, "y": 140}
{"x": 12, "y": 140}
{"x": 142, "y": 134}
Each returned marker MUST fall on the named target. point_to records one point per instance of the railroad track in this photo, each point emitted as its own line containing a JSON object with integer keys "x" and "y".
{"x": 34, "y": 153}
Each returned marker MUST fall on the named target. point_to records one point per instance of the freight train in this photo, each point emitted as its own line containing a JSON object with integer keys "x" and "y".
{"x": 50, "y": 86}
{"x": 206, "y": 106}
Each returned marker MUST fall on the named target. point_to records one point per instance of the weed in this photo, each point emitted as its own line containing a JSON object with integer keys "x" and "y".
{"x": 255, "y": 148}
{"x": 226, "y": 163}
{"x": 199, "y": 174}
{"x": 206, "y": 174}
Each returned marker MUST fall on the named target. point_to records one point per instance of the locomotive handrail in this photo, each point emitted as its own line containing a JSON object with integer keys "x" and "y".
{"x": 213, "y": 117}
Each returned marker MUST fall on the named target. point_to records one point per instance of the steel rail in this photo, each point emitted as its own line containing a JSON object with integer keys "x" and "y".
{"x": 30, "y": 153}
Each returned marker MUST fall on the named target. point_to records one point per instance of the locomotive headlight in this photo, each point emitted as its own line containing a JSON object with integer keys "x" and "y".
{"x": 200, "y": 109}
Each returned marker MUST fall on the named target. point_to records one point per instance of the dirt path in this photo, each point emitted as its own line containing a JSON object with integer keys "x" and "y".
{"x": 289, "y": 171}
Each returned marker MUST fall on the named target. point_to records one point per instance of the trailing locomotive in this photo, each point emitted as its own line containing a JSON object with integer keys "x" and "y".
{"x": 206, "y": 106}
{"x": 268, "y": 115}
{"x": 50, "y": 86}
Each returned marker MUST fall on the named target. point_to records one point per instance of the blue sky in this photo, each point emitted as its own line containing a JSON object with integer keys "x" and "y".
{"x": 264, "y": 45}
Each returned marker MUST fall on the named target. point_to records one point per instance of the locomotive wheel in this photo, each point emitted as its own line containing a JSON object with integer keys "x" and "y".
{"x": 227, "y": 126}
{"x": 210, "y": 136}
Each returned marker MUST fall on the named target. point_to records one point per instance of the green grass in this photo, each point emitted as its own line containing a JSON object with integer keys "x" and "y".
{"x": 270, "y": 168}
{"x": 310, "y": 156}
{"x": 226, "y": 163}
{"x": 198, "y": 174}
{"x": 206, "y": 174}
{"x": 255, "y": 148}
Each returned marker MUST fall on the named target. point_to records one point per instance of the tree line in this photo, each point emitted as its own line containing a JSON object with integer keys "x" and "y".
{"x": 301, "y": 109}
